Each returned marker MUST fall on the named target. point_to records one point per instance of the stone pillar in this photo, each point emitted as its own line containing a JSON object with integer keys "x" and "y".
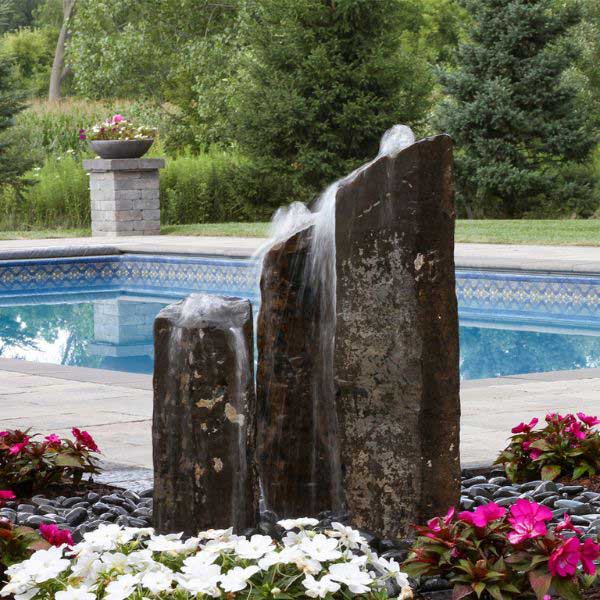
{"x": 396, "y": 344}
{"x": 125, "y": 196}
{"x": 204, "y": 420}
{"x": 297, "y": 447}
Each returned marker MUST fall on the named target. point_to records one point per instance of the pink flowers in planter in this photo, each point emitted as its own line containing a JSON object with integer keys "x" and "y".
{"x": 566, "y": 445}
{"x": 483, "y": 515}
{"x": 528, "y": 520}
{"x": 85, "y": 439}
{"x": 55, "y": 536}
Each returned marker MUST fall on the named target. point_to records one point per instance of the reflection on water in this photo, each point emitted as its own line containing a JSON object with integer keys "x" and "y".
{"x": 114, "y": 331}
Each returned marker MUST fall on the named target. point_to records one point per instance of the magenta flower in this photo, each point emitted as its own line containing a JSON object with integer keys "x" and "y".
{"x": 589, "y": 553}
{"x": 4, "y": 433}
{"x": 18, "y": 448}
{"x": 117, "y": 118}
{"x": 588, "y": 419}
{"x": 85, "y": 439}
{"x": 566, "y": 525}
{"x": 534, "y": 453}
{"x": 575, "y": 430}
{"x": 483, "y": 515}
{"x": 55, "y": 536}
{"x": 524, "y": 427}
{"x": 435, "y": 524}
{"x": 53, "y": 439}
{"x": 528, "y": 520}
{"x": 564, "y": 560}
{"x": 7, "y": 495}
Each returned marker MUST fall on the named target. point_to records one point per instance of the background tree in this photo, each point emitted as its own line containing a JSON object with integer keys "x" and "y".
{"x": 59, "y": 69}
{"x": 319, "y": 82}
{"x": 12, "y": 164}
{"x": 521, "y": 135}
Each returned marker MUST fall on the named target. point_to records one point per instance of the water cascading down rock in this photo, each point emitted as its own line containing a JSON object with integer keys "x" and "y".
{"x": 381, "y": 267}
{"x": 204, "y": 423}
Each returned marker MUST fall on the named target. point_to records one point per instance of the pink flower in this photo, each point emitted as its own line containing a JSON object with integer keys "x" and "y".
{"x": 18, "y": 448}
{"x": 575, "y": 430}
{"x": 527, "y": 520}
{"x": 4, "y": 433}
{"x": 85, "y": 439}
{"x": 53, "y": 439}
{"x": 566, "y": 525}
{"x": 534, "y": 453}
{"x": 589, "y": 553}
{"x": 435, "y": 523}
{"x": 525, "y": 428}
{"x": 117, "y": 118}
{"x": 7, "y": 495}
{"x": 55, "y": 536}
{"x": 564, "y": 560}
{"x": 483, "y": 515}
{"x": 588, "y": 419}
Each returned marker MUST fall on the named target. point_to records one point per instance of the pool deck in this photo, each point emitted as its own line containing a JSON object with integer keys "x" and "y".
{"x": 117, "y": 407}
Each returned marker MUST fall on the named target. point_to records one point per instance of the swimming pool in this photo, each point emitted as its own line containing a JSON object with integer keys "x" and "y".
{"x": 98, "y": 312}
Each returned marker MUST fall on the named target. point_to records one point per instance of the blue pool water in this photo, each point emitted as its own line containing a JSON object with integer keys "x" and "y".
{"x": 98, "y": 312}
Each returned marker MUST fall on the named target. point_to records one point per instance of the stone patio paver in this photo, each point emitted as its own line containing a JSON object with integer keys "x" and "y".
{"x": 120, "y": 416}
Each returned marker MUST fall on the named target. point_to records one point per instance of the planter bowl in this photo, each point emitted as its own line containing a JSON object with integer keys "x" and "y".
{"x": 120, "y": 148}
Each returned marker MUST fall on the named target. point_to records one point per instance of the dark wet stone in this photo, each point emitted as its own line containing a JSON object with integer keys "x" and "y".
{"x": 28, "y": 508}
{"x": 545, "y": 486}
{"x": 100, "y": 507}
{"x": 573, "y": 507}
{"x": 530, "y": 485}
{"x": 499, "y": 480}
{"x": 550, "y": 501}
{"x": 37, "y": 520}
{"x": 398, "y": 396}
{"x": 76, "y": 516}
{"x": 466, "y": 503}
{"x": 434, "y": 584}
{"x": 147, "y": 493}
{"x": 480, "y": 490}
{"x": 505, "y": 492}
{"x": 135, "y": 522}
{"x": 81, "y": 505}
{"x": 506, "y": 501}
{"x": 70, "y": 502}
{"x": 558, "y": 513}
{"x": 473, "y": 481}
{"x": 92, "y": 497}
{"x": 204, "y": 416}
{"x": 572, "y": 489}
{"x": 8, "y": 513}
{"x": 142, "y": 512}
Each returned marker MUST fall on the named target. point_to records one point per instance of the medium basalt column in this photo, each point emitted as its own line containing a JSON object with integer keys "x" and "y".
{"x": 396, "y": 344}
{"x": 204, "y": 416}
{"x": 296, "y": 417}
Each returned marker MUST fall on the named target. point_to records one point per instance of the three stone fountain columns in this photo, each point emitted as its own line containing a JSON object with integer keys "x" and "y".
{"x": 384, "y": 441}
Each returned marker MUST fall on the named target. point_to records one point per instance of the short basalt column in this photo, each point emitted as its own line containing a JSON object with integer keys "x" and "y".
{"x": 396, "y": 344}
{"x": 297, "y": 446}
{"x": 204, "y": 416}
{"x": 125, "y": 196}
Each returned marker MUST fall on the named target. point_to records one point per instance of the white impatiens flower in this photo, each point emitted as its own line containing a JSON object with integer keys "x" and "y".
{"x": 21, "y": 585}
{"x": 86, "y": 566}
{"x": 158, "y": 580}
{"x": 321, "y": 548}
{"x": 236, "y": 579}
{"x": 320, "y": 588}
{"x": 203, "y": 580}
{"x": 256, "y": 547}
{"x": 392, "y": 569}
{"x": 171, "y": 543}
{"x": 300, "y": 523}
{"x": 46, "y": 564}
{"x": 122, "y": 587}
{"x": 193, "y": 566}
{"x": 216, "y": 534}
{"x": 349, "y": 574}
{"x": 73, "y": 593}
{"x": 347, "y": 536}
{"x": 287, "y": 555}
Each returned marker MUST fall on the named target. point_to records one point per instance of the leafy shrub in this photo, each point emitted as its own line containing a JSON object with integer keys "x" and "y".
{"x": 32, "y": 53}
{"x": 27, "y": 464}
{"x": 136, "y": 563}
{"x": 495, "y": 553}
{"x": 567, "y": 445}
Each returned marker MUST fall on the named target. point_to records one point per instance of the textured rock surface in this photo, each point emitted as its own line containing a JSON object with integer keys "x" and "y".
{"x": 296, "y": 419}
{"x": 204, "y": 416}
{"x": 396, "y": 352}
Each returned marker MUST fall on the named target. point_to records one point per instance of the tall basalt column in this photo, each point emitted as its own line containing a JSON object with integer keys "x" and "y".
{"x": 396, "y": 345}
{"x": 204, "y": 423}
{"x": 297, "y": 446}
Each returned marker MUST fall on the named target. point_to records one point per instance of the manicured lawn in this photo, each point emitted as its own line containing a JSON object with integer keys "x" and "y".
{"x": 568, "y": 233}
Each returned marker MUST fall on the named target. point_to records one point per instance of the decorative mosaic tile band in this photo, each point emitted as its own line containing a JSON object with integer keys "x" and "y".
{"x": 484, "y": 291}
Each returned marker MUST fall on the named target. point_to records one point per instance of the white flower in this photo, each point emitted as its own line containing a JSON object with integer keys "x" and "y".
{"x": 122, "y": 588}
{"x": 46, "y": 564}
{"x": 348, "y": 536}
{"x": 320, "y": 588}
{"x": 158, "y": 581}
{"x": 216, "y": 534}
{"x": 291, "y": 538}
{"x": 236, "y": 579}
{"x": 203, "y": 581}
{"x": 321, "y": 548}
{"x": 105, "y": 538}
{"x": 115, "y": 560}
{"x": 21, "y": 585}
{"x": 171, "y": 543}
{"x": 288, "y": 524}
{"x": 351, "y": 575}
{"x": 256, "y": 547}
{"x": 193, "y": 566}
{"x": 287, "y": 555}
{"x": 71, "y": 593}
{"x": 86, "y": 566}
{"x": 392, "y": 569}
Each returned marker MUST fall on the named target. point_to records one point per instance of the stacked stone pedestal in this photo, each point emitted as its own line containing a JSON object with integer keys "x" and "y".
{"x": 125, "y": 196}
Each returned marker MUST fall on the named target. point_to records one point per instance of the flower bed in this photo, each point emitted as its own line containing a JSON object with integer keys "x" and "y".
{"x": 116, "y": 563}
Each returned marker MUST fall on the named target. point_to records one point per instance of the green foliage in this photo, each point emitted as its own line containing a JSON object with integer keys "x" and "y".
{"x": 31, "y": 51}
{"x": 17, "y": 543}
{"x": 519, "y": 130}
{"x": 17, "y": 13}
{"x": 319, "y": 83}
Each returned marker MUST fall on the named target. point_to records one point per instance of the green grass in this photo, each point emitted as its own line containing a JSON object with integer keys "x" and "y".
{"x": 552, "y": 233}
{"x": 559, "y": 233}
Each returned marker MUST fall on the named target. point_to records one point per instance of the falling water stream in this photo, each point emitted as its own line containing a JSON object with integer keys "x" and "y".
{"x": 320, "y": 274}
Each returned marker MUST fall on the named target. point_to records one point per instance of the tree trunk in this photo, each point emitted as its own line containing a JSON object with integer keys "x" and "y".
{"x": 58, "y": 71}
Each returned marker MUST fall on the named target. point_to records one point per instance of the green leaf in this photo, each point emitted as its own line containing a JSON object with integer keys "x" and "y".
{"x": 540, "y": 445}
{"x": 479, "y": 588}
{"x": 567, "y": 588}
{"x": 540, "y": 582}
{"x": 550, "y": 472}
{"x": 461, "y": 591}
